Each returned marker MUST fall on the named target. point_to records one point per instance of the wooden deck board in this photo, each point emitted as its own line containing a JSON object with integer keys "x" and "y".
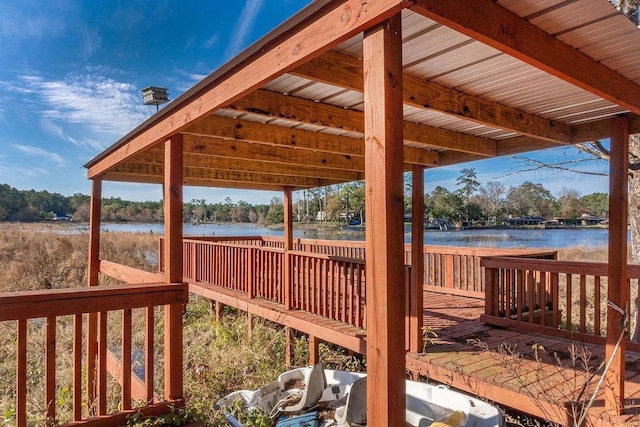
{"x": 541, "y": 388}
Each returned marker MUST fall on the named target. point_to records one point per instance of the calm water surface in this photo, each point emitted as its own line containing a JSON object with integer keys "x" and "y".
{"x": 476, "y": 238}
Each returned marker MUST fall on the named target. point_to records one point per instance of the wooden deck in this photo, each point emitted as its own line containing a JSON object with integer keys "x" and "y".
{"x": 497, "y": 364}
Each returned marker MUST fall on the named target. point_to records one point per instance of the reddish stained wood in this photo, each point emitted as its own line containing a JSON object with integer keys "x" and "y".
{"x": 50, "y": 368}
{"x": 173, "y": 266}
{"x": 313, "y": 350}
{"x": 77, "y": 367}
{"x": 21, "y": 374}
{"x": 555, "y": 299}
{"x": 149, "y": 354}
{"x": 324, "y": 28}
{"x": 502, "y": 29}
{"x": 417, "y": 259}
{"x": 128, "y": 274}
{"x": 288, "y": 246}
{"x": 61, "y": 302}
{"x": 102, "y": 364}
{"x": 92, "y": 280}
{"x": 288, "y": 347}
{"x": 618, "y": 293}
{"x": 597, "y": 297}
{"x": 126, "y": 358}
{"x": 382, "y": 61}
{"x": 583, "y": 303}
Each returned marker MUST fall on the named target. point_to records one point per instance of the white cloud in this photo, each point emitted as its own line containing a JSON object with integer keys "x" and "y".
{"x": 103, "y": 105}
{"x": 20, "y": 21}
{"x": 9, "y": 173}
{"x": 39, "y": 152}
{"x": 242, "y": 27}
{"x": 212, "y": 41}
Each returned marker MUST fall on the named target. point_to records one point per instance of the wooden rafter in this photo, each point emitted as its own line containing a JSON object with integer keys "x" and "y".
{"x": 498, "y": 27}
{"x": 341, "y": 70}
{"x": 325, "y": 28}
{"x": 601, "y": 129}
{"x": 272, "y": 104}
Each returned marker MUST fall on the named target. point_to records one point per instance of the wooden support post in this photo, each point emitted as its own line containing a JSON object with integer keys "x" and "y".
{"x": 288, "y": 347}
{"x": 618, "y": 290}
{"x": 314, "y": 356}
{"x": 219, "y": 310}
{"x": 288, "y": 245}
{"x": 173, "y": 179}
{"x": 382, "y": 61}
{"x": 93, "y": 280}
{"x": 416, "y": 293}
{"x": 249, "y": 326}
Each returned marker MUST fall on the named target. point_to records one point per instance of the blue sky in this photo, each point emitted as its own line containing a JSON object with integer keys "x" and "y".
{"x": 71, "y": 72}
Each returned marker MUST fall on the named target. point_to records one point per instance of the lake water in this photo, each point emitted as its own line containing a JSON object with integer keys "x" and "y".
{"x": 503, "y": 238}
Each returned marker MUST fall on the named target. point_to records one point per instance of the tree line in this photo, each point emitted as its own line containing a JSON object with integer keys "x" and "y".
{"x": 470, "y": 200}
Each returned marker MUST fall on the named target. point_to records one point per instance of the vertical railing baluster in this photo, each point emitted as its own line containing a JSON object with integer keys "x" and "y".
{"x": 126, "y": 358}
{"x": 596, "y": 305}
{"x": 149, "y": 353}
{"x": 21, "y": 374}
{"x": 102, "y": 363}
{"x": 50, "y": 369}
{"x": 77, "y": 367}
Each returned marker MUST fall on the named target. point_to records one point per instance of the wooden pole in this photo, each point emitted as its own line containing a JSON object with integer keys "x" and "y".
{"x": 618, "y": 289}
{"x": 416, "y": 303}
{"x": 382, "y": 61}
{"x": 173, "y": 179}
{"x": 93, "y": 280}
{"x": 288, "y": 245}
{"x": 314, "y": 356}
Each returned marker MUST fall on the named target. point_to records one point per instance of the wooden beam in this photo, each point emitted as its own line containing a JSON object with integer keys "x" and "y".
{"x": 194, "y": 175}
{"x": 219, "y": 127}
{"x": 618, "y": 289}
{"x": 275, "y": 105}
{"x": 173, "y": 177}
{"x": 248, "y": 165}
{"x": 601, "y": 129}
{"x": 498, "y": 27}
{"x": 345, "y": 71}
{"x": 327, "y": 27}
{"x": 382, "y": 48}
{"x": 416, "y": 293}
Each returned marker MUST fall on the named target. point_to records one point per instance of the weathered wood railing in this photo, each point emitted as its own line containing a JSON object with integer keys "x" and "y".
{"x": 449, "y": 269}
{"x": 457, "y": 270}
{"x": 32, "y": 310}
{"x": 330, "y": 286}
{"x": 557, "y": 298}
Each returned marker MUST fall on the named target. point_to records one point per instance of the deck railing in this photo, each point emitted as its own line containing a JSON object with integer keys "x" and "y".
{"x": 324, "y": 277}
{"x": 43, "y": 312}
{"x": 558, "y": 298}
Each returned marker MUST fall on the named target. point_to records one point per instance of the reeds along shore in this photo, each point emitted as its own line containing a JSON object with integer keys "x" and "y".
{"x": 218, "y": 358}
